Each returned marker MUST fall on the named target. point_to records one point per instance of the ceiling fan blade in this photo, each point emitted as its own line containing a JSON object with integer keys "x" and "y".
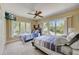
{"x": 36, "y": 12}
{"x": 35, "y": 16}
{"x": 30, "y": 13}
{"x": 40, "y": 16}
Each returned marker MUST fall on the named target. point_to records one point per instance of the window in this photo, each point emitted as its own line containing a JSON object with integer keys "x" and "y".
{"x": 22, "y": 27}
{"x": 60, "y": 27}
{"x": 54, "y": 27}
{"x": 45, "y": 27}
{"x": 28, "y": 27}
{"x": 15, "y": 28}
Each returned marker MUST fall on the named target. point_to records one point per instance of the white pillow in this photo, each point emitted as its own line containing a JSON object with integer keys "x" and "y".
{"x": 75, "y": 45}
{"x": 71, "y": 36}
{"x": 60, "y": 41}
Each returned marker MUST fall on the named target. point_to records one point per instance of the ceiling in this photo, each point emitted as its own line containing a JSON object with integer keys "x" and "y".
{"x": 47, "y": 9}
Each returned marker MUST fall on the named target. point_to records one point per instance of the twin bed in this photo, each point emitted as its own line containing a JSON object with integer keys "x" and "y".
{"x": 54, "y": 45}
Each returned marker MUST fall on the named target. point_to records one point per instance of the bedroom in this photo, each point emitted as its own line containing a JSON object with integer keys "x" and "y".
{"x": 56, "y": 19}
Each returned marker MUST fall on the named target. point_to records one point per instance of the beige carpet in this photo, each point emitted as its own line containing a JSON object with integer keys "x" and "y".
{"x": 20, "y": 48}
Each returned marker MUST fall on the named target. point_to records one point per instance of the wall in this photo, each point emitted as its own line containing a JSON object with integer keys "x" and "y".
{"x": 76, "y": 22}
{"x": 2, "y": 30}
{"x": 8, "y": 30}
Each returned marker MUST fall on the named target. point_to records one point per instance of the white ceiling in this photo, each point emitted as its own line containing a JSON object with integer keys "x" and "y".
{"x": 47, "y": 9}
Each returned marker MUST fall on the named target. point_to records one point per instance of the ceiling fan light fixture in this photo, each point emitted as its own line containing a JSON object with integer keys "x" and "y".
{"x": 37, "y": 13}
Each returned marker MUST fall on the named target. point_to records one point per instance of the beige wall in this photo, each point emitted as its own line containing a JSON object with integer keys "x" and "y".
{"x": 8, "y": 30}
{"x": 76, "y": 22}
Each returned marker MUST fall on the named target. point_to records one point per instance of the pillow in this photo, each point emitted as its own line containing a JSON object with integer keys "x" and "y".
{"x": 75, "y": 45}
{"x": 71, "y": 36}
{"x": 60, "y": 41}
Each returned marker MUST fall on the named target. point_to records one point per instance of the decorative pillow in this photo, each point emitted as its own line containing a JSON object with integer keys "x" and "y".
{"x": 75, "y": 45}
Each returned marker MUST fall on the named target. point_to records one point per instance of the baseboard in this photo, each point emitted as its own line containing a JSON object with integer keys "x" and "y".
{"x": 11, "y": 41}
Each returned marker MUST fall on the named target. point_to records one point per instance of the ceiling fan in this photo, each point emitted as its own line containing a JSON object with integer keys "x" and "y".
{"x": 37, "y": 13}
